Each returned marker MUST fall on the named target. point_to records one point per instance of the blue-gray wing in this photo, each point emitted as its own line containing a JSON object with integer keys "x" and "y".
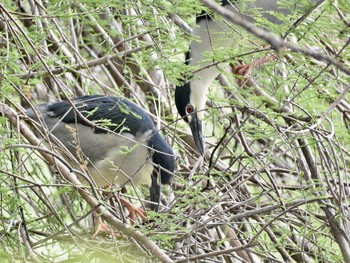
{"x": 106, "y": 112}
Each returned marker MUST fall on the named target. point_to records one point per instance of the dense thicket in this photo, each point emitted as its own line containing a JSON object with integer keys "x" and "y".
{"x": 274, "y": 185}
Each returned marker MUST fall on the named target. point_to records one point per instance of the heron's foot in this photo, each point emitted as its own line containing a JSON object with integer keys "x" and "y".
{"x": 133, "y": 210}
{"x": 103, "y": 227}
{"x": 245, "y": 70}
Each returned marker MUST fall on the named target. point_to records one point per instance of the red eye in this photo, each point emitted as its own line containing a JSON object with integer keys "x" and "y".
{"x": 189, "y": 108}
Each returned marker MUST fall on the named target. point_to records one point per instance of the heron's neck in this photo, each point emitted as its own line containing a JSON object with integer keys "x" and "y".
{"x": 199, "y": 86}
{"x": 211, "y": 36}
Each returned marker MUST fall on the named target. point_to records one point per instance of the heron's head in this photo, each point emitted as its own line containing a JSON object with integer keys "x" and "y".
{"x": 190, "y": 104}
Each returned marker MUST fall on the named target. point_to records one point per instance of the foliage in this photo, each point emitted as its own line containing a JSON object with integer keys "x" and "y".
{"x": 274, "y": 185}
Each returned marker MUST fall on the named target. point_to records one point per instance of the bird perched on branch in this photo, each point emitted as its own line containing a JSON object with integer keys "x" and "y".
{"x": 211, "y": 35}
{"x": 115, "y": 139}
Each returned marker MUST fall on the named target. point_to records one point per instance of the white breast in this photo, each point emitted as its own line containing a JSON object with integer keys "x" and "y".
{"x": 124, "y": 164}
{"x": 110, "y": 158}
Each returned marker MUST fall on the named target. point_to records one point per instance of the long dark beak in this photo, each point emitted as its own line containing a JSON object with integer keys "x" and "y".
{"x": 196, "y": 128}
{"x": 155, "y": 193}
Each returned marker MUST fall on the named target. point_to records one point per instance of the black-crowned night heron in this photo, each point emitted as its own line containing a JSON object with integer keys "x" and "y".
{"x": 212, "y": 35}
{"x": 115, "y": 138}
